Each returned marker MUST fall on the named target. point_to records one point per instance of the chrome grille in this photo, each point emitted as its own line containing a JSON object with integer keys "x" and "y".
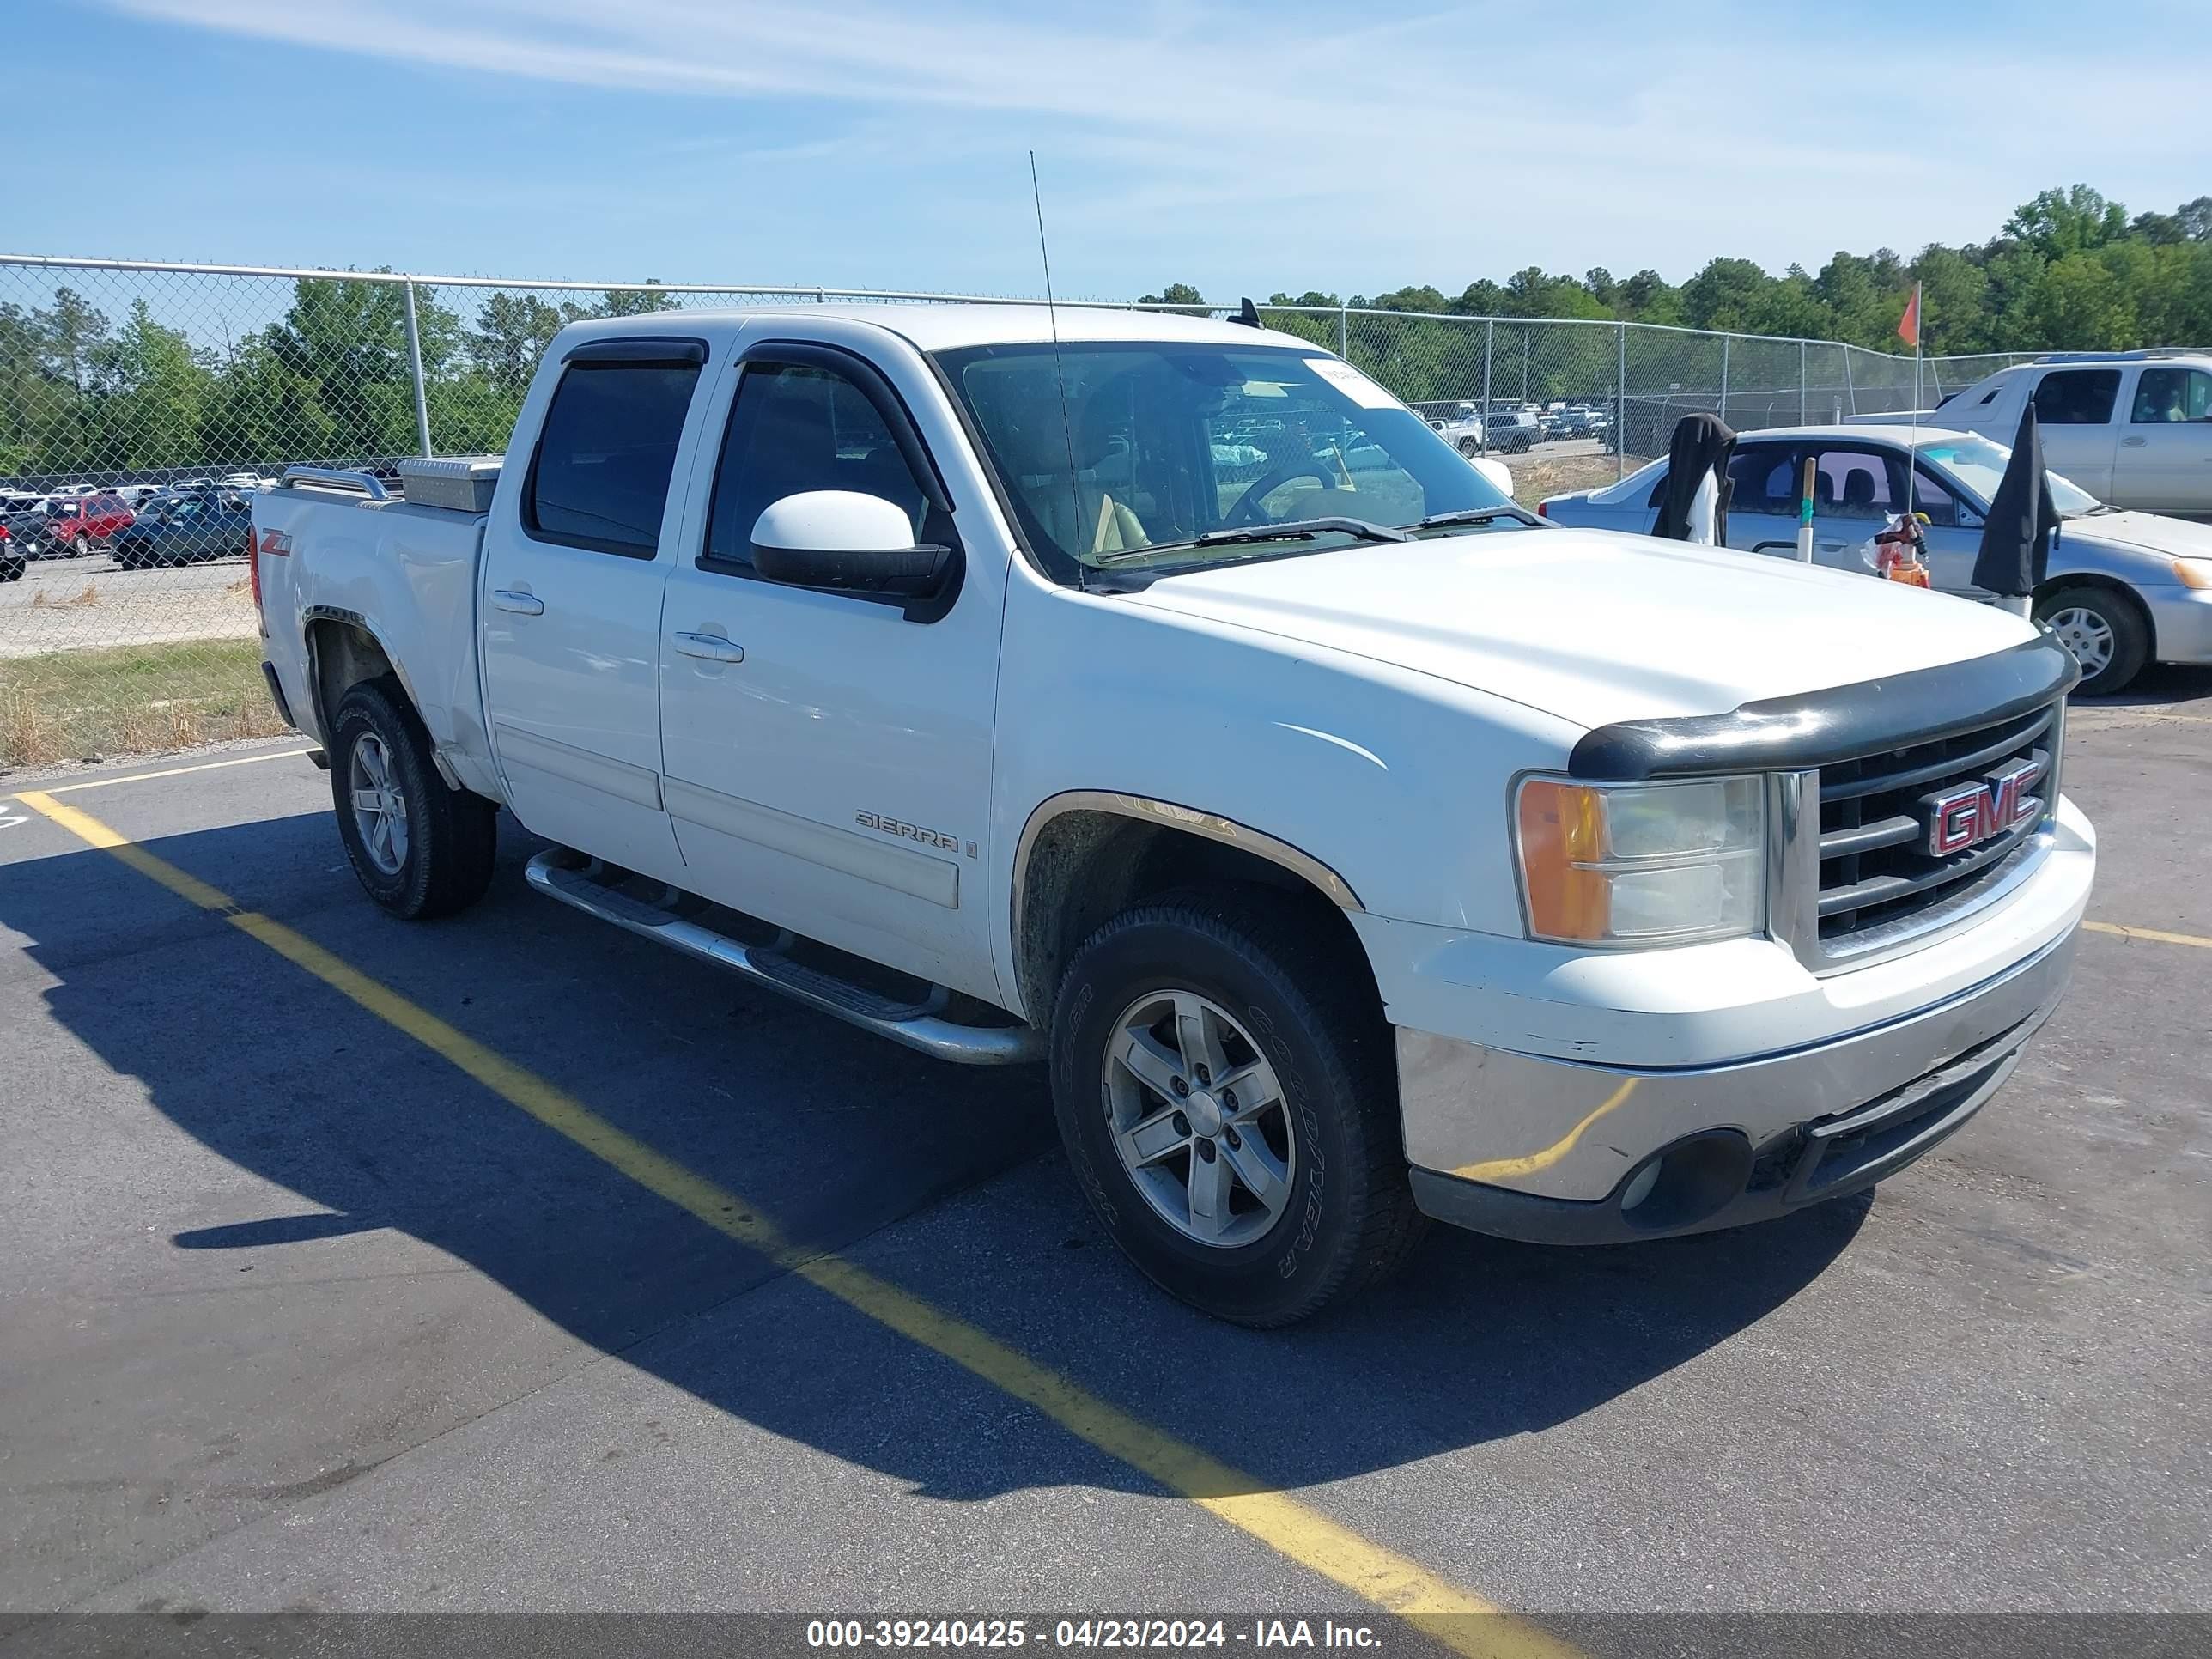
{"x": 1877, "y": 874}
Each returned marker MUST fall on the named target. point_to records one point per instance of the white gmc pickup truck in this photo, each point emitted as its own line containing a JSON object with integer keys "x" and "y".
{"x": 1162, "y": 699}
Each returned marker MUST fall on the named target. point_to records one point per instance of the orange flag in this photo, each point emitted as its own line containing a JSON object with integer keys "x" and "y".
{"x": 1908, "y": 327}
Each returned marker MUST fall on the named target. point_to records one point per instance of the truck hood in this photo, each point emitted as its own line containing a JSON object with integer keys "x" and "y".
{"x": 2147, "y": 532}
{"x": 1594, "y": 626}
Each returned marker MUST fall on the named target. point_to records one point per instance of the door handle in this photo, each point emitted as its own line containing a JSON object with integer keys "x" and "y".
{"x": 523, "y": 604}
{"x": 711, "y": 646}
{"x": 2133, "y": 443}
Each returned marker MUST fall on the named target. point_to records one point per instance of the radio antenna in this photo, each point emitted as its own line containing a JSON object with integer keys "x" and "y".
{"x": 1058, "y": 369}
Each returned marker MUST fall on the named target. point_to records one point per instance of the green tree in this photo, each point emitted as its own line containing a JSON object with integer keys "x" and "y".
{"x": 1175, "y": 294}
{"x": 69, "y": 333}
{"x": 1953, "y": 292}
{"x": 512, "y": 334}
{"x": 2060, "y": 222}
{"x": 156, "y": 390}
{"x": 2079, "y": 305}
{"x": 631, "y": 302}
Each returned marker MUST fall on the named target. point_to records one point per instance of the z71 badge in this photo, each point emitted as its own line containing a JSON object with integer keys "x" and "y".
{"x": 883, "y": 823}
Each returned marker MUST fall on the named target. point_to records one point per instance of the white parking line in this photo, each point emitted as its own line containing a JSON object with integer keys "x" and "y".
{"x": 172, "y": 772}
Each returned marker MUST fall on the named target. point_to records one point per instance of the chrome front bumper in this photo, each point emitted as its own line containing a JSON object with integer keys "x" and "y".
{"x": 1549, "y": 1149}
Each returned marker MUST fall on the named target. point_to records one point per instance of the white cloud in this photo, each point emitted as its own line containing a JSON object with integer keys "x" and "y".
{"x": 1298, "y": 144}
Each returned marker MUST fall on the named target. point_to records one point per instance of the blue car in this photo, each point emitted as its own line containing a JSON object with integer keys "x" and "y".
{"x": 185, "y": 530}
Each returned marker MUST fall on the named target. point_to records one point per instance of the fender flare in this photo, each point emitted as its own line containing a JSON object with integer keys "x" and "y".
{"x": 1169, "y": 815}
{"x": 315, "y": 613}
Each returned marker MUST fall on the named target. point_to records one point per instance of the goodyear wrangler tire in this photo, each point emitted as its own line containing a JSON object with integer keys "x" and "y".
{"x": 1226, "y": 1093}
{"x": 420, "y": 849}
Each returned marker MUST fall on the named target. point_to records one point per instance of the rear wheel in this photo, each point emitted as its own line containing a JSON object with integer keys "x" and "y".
{"x": 2106, "y": 631}
{"x": 1224, "y": 1090}
{"x": 420, "y": 849}
{"x": 1469, "y": 448}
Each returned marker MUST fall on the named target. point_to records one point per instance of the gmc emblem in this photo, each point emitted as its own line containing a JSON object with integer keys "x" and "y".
{"x": 1973, "y": 813}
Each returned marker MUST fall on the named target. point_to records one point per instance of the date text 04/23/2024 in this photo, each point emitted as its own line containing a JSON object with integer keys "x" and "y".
{"x": 1111, "y": 1634}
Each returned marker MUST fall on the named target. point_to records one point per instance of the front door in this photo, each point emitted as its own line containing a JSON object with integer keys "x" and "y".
{"x": 2165, "y": 460}
{"x": 829, "y": 755}
{"x": 1953, "y": 535}
{"x": 571, "y": 604}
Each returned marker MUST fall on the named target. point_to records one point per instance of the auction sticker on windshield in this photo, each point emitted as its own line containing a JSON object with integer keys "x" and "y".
{"x": 1351, "y": 382}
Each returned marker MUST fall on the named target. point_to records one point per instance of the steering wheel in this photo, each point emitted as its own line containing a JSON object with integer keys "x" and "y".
{"x": 1246, "y": 512}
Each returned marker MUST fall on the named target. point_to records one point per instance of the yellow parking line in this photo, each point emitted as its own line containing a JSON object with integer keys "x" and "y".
{"x": 174, "y": 771}
{"x": 2152, "y": 934}
{"x": 1458, "y": 1618}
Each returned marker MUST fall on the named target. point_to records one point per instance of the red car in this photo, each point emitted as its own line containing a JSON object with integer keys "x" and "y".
{"x": 76, "y": 524}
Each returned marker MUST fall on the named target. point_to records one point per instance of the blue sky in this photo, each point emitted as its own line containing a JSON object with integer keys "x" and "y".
{"x": 1245, "y": 147}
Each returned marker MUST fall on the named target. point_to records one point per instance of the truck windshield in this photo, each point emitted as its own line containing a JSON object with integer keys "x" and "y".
{"x": 1158, "y": 444}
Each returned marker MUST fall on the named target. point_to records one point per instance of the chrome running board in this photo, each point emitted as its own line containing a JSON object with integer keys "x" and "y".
{"x": 677, "y": 921}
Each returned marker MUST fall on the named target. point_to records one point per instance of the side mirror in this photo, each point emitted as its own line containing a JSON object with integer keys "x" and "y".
{"x": 1496, "y": 472}
{"x": 845, "y": 541}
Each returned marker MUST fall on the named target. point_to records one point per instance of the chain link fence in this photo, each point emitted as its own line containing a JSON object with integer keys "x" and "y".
{"x": 141, "y": 403}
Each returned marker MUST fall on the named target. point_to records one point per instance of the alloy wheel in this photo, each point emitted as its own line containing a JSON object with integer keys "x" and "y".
{"x": 379, "y": 809}
{"x": 1198, "y": 1119}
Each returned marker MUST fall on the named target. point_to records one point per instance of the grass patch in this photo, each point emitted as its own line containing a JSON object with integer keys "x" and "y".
{"x": 132, "y": 700}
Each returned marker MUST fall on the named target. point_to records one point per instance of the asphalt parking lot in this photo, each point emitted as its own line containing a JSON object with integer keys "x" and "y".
{"x": 511, "y": 1263}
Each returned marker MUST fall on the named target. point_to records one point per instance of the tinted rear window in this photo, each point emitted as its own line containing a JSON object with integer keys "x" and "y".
{"x": 2077, "y": 397}
{"x": 606, "y": 456}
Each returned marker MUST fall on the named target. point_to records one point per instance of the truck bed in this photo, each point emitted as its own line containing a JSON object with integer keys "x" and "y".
{"x": 336, "y": 550}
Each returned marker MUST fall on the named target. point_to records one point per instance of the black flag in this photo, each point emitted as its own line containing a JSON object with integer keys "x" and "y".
{"x": 1701, "y": 444}
{"x": 2016, "y": 551}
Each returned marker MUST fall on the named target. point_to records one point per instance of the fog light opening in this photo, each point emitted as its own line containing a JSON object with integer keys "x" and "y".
{"x": 1689, "y": 1180}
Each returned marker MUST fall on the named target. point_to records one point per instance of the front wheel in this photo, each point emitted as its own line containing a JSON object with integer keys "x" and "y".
{"x": 420, "y": 849}
{"x": 2103, "y": 629}
{"x": 1468, "y": 448}
{"x": 80, "y": 544}
{"x": 1224, "y": 1090}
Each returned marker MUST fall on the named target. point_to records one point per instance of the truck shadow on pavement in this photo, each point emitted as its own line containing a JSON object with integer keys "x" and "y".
{"x": 836, "y": 1136}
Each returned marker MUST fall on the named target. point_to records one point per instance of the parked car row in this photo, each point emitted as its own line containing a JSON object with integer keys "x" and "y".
{"x": 144, "y": 524}
{"x": 1515, "y": 431}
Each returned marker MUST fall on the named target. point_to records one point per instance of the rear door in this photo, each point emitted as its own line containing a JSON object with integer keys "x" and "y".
{"x": 2165, "y": 459}
{"x": 1856, "y": 489}
{"x": 573, "y": 572}
{"x": 1763, "y": 495}
{"x": 2076, "y": 409}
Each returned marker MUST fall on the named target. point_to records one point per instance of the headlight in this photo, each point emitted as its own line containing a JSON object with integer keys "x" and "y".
{"x": 1643, "y": 864}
